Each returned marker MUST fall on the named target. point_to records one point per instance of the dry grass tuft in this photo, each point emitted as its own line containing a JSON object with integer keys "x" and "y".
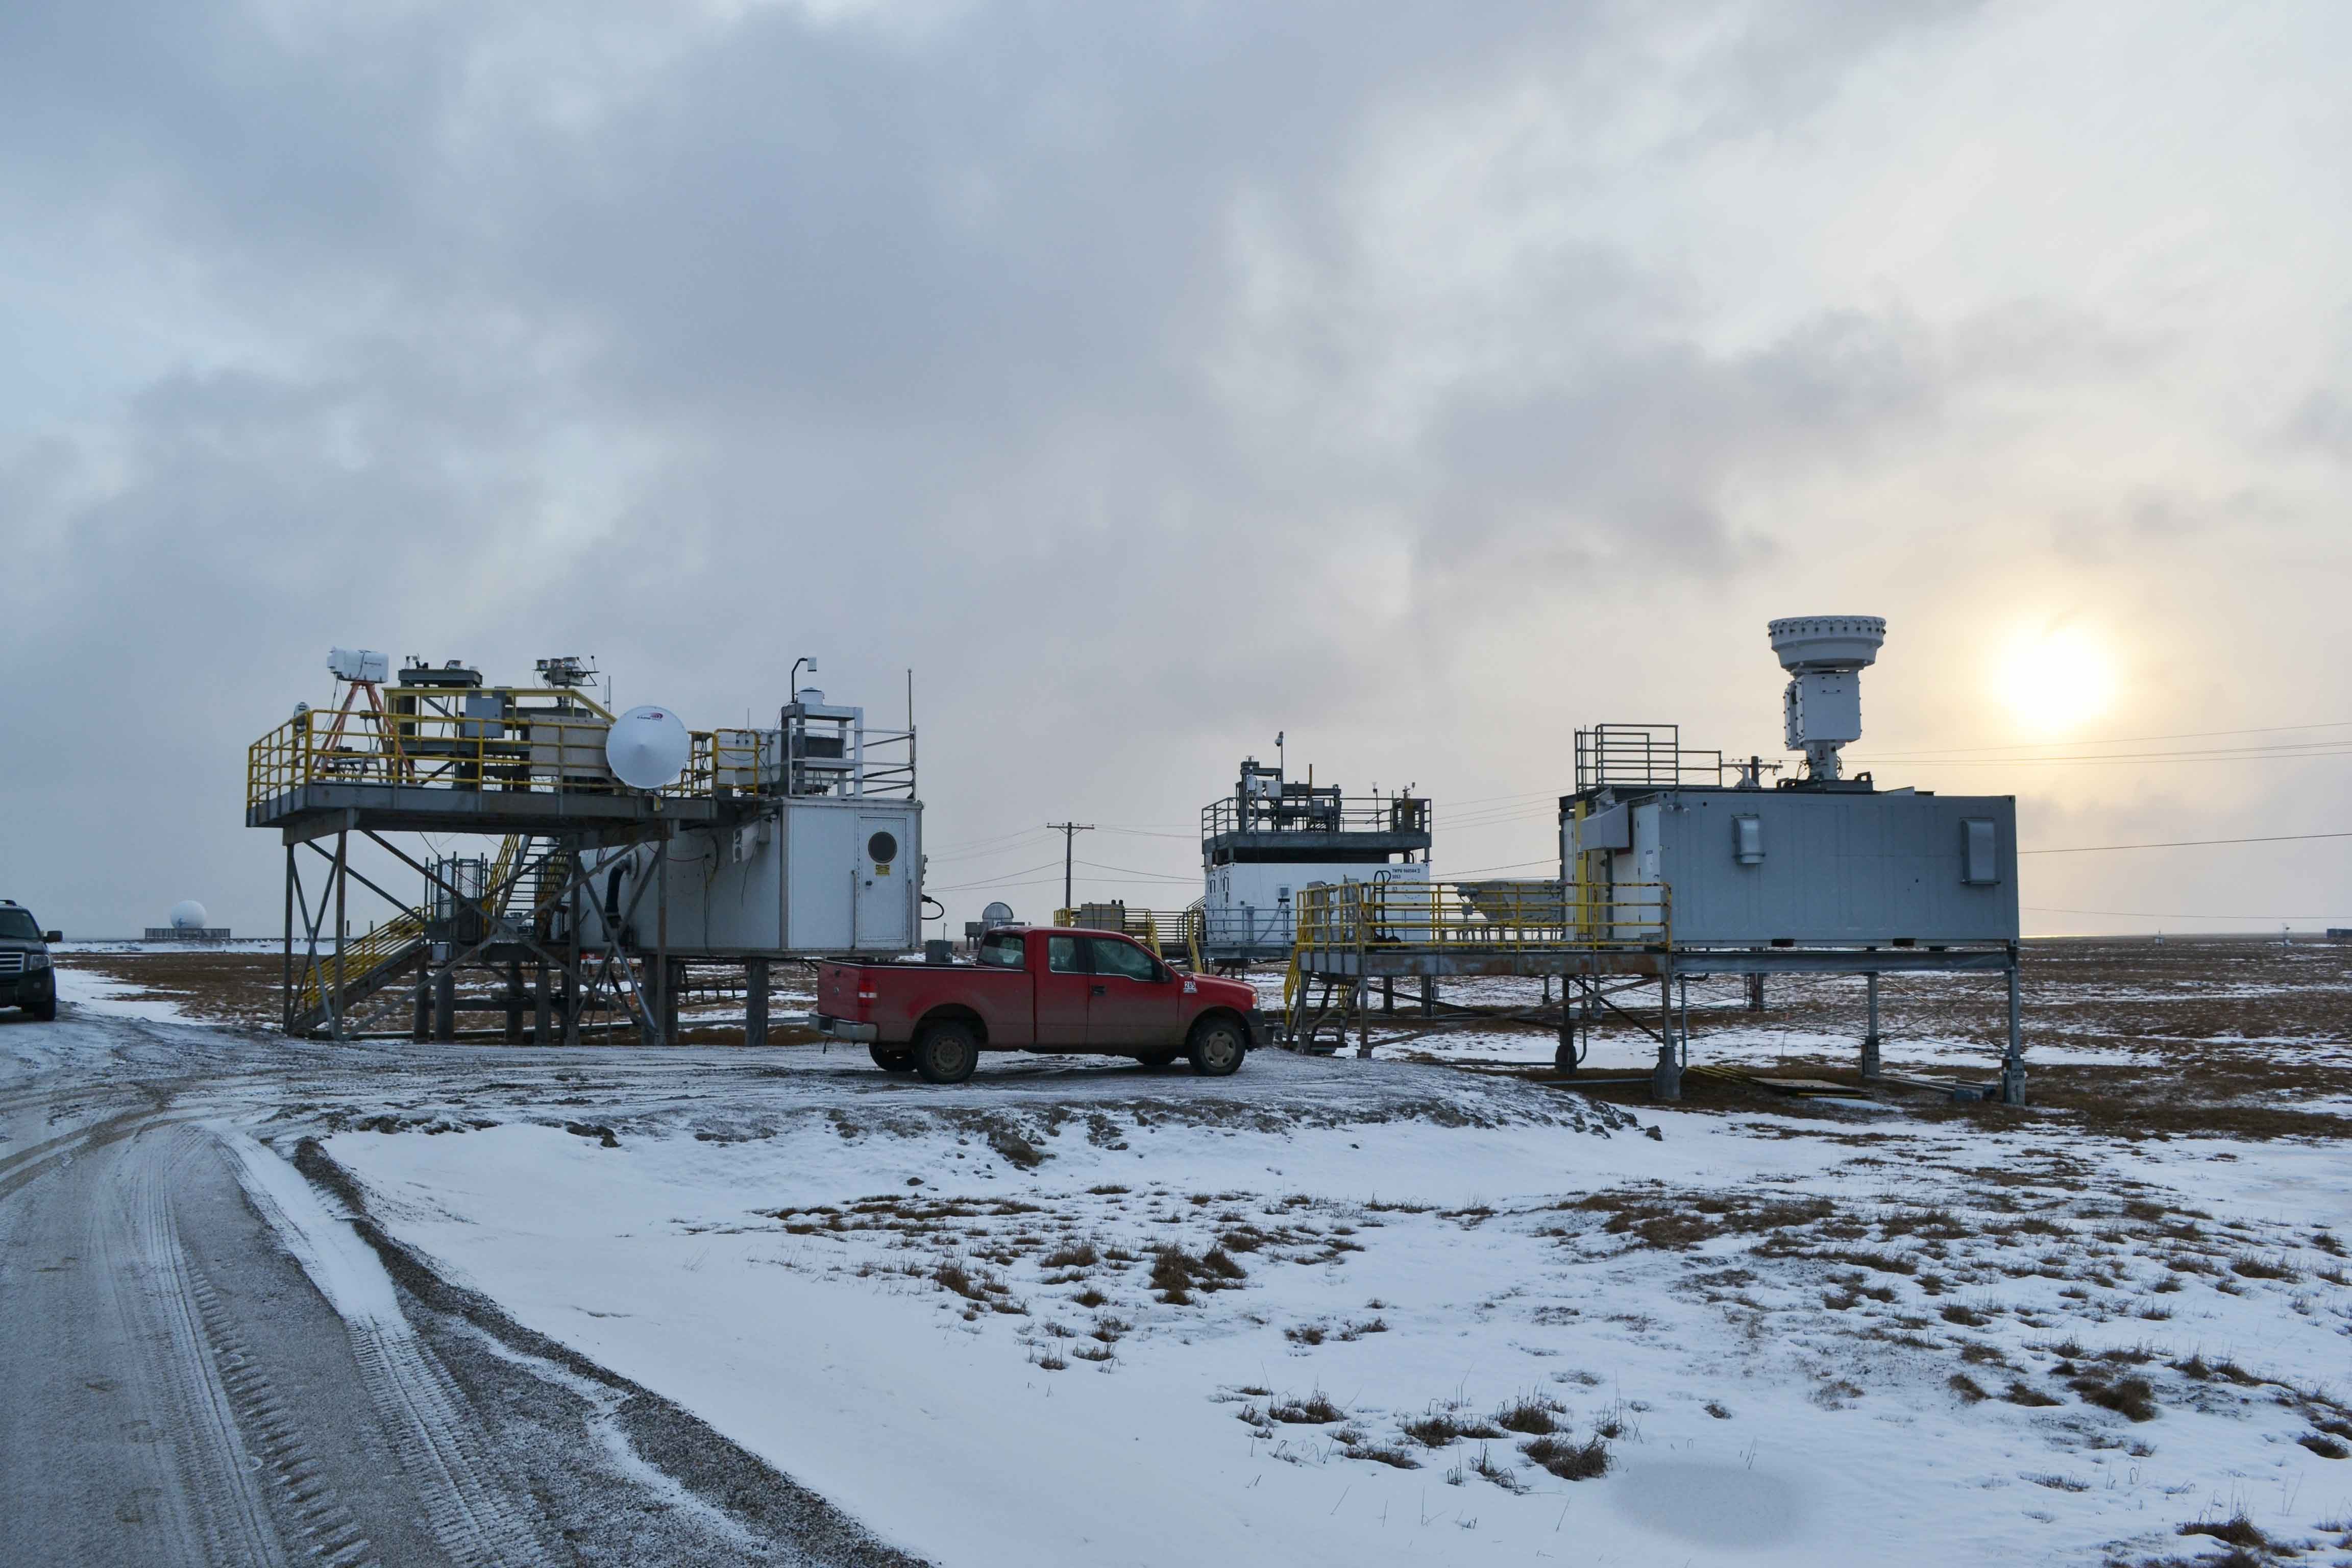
{"x": 2130, "y": 1396}
{"x": 1583, "y": 1461}
{"x": 1315, "y": 1410}
{"x": 1531, "y": 1415}
{"x": 2235, "y": 1530}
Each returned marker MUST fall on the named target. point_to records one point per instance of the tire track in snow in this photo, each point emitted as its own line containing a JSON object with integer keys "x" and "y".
{"x": 218, "y": 1512}
{"x": 469, "y": 1511}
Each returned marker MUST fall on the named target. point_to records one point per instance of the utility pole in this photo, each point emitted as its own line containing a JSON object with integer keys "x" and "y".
{"x": 1069, "y": 832}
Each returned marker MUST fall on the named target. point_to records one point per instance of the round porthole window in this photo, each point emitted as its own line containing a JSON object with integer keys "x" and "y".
{"x": 882, "y": 848}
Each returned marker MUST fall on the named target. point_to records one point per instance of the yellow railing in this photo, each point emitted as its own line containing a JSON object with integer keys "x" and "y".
{"x": 360, "y": 956}
{"x": 1526, "y": 917}
{"x": 1505, "y": 916}
{"x": 1159, "y": 930}
{"x": 525, "y": 749}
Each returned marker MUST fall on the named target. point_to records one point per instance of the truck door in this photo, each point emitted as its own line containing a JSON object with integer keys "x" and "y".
{"x": 1135, "y": 997}
{"x": 1064, "y": 985}
{"x": 885, "y": 910}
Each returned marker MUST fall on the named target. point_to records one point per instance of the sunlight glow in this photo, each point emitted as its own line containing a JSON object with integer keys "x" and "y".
{"x": 2055, "y": 680}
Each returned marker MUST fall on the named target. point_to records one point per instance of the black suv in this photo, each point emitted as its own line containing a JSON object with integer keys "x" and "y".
{"x": 26, "y": 980}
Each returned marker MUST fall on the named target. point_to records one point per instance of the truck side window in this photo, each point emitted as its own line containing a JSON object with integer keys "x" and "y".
{"x": 1002, "y": 952}
{"x": 1119, "y": 958}
{"x": 1062, "y": 955}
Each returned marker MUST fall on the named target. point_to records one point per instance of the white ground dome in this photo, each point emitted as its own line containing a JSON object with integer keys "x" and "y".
{"x": 188, "y": 915}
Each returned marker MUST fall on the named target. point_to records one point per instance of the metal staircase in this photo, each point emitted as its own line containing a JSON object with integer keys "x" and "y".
{"x": 369, "y": 964}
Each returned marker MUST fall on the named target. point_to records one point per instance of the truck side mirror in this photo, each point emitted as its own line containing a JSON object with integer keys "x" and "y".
{"x": 53, "y": 936}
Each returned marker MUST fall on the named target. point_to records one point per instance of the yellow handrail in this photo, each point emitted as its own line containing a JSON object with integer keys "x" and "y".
{"x": 1157, "y": 930}
{"x": 1511, "y": 916}
{"x": 526, "y": 749}
{"x": 360, "y": 957}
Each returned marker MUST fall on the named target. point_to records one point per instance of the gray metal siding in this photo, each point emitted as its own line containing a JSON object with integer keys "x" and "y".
{"x": 1837, "y": 867}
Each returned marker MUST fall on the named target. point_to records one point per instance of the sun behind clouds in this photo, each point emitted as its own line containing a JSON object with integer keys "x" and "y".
{"x": 2055, "y": 680}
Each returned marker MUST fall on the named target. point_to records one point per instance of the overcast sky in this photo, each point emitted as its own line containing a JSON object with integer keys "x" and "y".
{"x": 1424, "y": 380}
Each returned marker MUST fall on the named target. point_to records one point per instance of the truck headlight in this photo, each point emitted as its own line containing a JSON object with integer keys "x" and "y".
{"x": 37, "y": 961}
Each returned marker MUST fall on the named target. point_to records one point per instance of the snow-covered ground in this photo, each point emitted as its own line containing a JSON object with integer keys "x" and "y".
{"x": 1094, "y": 1313}
{"x": 975, "y": 1350}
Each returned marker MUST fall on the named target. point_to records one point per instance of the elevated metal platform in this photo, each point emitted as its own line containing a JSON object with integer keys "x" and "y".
{"x": 1352, "y": 934}
{"x": 314, "y": 809}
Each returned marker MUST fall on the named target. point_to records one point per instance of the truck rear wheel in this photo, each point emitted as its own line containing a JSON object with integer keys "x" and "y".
{"x": 892, "y": 1059}
{"x": 946, "y": 1053}
{"x": 1217, "y": 1047}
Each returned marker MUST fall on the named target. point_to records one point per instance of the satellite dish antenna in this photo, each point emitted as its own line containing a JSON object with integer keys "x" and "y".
{"x": 647, "y": 748}
{"x": 997, "y": 914}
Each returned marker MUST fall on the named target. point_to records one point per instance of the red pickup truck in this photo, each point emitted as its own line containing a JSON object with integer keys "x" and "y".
{"x": 1036, "y": 989}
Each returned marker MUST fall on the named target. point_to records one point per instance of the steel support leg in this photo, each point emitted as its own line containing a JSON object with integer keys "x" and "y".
{"x": 445, "y": 1004}
{"x": 1756, "y": 993}
{"x": 1870, "y": 1038}
{"x": 514, "y": 1001}
{"x": 420, "y": 1028}
{"x": 673, "y": 982}
{"x": 2012, "y": 1061}
{"x": 1563, "y": 1056}
{"x": 286, "y": 987}
{"x": 1428, "y": 997}
{"x": 1666, "y": 1078}
{"x": 342, "y": 885}
{"x": 755, "y": 1002}
{"x": 1388, "y": 993}
{"x": 542, "y": 1012}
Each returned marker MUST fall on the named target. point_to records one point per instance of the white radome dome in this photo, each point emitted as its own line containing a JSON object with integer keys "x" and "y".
{"x": 188, "y": 915}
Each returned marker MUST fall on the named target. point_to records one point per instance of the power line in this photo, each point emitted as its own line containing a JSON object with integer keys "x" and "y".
{"x": 2134, "y": 740}
{"x": 992, "y": 881}
{"x": 2169, "y": 915}
{"x": 2183, "y": 844}
{"x": 1131, "y": 871}
{"x": 2221, "y": 754}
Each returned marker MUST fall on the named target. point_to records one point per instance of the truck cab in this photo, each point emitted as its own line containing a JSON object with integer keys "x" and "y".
{"x": 26, "y": 979}
{"x": 1037, "y": 988}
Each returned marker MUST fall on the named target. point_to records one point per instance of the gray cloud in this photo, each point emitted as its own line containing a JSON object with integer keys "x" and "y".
{"x": 1105, "y": 367}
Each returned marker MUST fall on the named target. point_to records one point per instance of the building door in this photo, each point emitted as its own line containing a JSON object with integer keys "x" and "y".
{"x": 886, "y": 909}
{"x": 1135, "y": 998}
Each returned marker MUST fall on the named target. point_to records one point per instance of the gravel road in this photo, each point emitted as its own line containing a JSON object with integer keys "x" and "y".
{"x": 181, "y": 1391}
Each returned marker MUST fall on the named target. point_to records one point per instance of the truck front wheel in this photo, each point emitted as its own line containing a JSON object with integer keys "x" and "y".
{"x": 946, "y": 1053}
{"x": 892, "y": 1059}
{"x": 1216, "y": 1048}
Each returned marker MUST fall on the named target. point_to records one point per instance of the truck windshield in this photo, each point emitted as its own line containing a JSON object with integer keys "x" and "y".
{"x": 1002, "y": 952}
{"x": 17, "y": 925}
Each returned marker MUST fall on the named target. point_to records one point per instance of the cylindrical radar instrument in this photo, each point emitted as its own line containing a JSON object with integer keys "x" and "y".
{"x": 1821, "y": 708}
{"x": 647, "y": 748}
